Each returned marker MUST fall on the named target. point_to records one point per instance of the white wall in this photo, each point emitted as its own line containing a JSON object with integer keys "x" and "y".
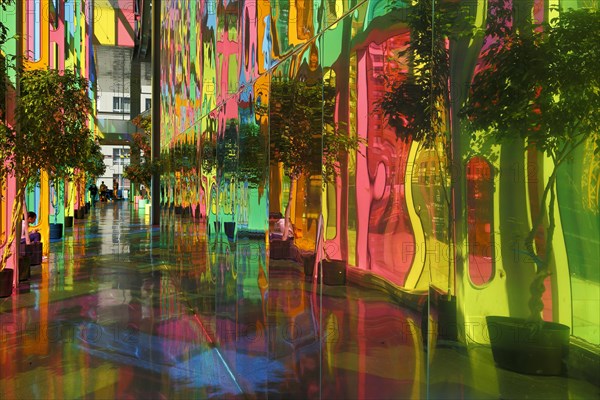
{"x": 113, "y": 168}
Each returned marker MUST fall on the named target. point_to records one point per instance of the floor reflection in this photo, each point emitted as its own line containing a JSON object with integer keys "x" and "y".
{"x": 124, "y": 310}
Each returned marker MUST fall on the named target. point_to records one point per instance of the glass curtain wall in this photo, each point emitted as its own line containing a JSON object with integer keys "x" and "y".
{"x": 316, "y": 147}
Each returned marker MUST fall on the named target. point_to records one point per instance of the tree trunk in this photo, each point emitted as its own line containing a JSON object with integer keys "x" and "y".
{"x": 25, "y": 218}
{"x": 288, "y": 209}
{"x": 542, "y": 263}
{"x": 16, "y": 213}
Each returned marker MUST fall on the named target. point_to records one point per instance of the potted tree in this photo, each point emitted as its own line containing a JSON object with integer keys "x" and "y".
{"x": 207, "y": 167}
{"x": 417, "y": 105}
{"x": 253, "y": 158}
{"x": 141, "y": 169}
{"x": 228, "y": 151}
{"x": 6, "y": 275}
{"x": 305, "y": 138}
{"x": 91, "y": 167}
{"x": 52, "y": 114}
{"x": 538, "y": 84}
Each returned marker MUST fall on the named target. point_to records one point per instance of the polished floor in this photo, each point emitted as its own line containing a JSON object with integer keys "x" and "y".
{"x": 123, "y": 310}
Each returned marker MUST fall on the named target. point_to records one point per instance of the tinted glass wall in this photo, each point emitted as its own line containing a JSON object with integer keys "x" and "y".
{"x": 276, "y": 140}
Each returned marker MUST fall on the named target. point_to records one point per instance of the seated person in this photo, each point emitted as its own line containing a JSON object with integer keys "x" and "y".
{"x": 34, "y": 235}
{"x": 277, "y": 226}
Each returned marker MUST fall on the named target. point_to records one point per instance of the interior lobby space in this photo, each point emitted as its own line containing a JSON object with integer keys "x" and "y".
{"x": 343, "y": 199}
{"x": 122, "y": 309}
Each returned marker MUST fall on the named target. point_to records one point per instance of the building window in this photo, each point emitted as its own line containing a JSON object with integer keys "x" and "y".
{"x": 121, "y": 104}
{"x": 148, "y": 103}
{"x": 120, "y": 156}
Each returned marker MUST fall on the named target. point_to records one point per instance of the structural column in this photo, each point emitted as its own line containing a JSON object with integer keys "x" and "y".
{"x": 155, "y": 145}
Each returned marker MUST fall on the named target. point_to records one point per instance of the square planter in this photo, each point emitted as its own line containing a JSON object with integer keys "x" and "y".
{"x": 334, "y": 272}
{"x": 280, "y": 249}
{"x": 33, "y": 251}
{"x": 308, "y": 261}
{"x": 229, "y": 230}
{"x": 24, "y": 268}
{"x": 6, "y": 282}
{"x": 529, "y": 347}
{"x": 56, "y": 231}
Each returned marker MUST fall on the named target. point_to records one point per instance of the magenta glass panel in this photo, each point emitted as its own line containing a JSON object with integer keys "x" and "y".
{"x": 480, "y": 213}
{"x": 384, "y": 229}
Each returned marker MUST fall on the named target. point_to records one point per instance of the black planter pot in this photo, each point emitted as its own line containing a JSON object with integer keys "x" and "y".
{"x": 334, "y": 272}
{"x": 528, "y": 347}
{"x": 308, "y": 262}
{"x": 280, "y": 249}
{"x": 24, "y": 268}
{"x": 56, "y": 231}
{"x": 439, "y": 320}
{"x": 229, "y": 230}
{"x": 68, "y": 222}
{"x": 33, "y": 251}
{"x": 6, "y": 282}
{"x": 80, "y": 213}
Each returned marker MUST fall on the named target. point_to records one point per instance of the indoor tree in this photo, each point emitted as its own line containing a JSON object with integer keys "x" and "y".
{"x": 417, "y": 102}
{"x": 541, "y": 84}
{"x": 94, "y": 165}
{"x": 253, "y": 156}
{"x": 141, "y": 170}
{"x": 91, "y": 168}
{"x": 304, "y": 136}
{"x": 52, "y": 117}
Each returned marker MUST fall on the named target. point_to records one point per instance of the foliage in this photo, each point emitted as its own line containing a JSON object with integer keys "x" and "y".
{"x": 52, "y": 114}
{"x": 416, "y": 99}
{"x": 141, "y": 172}
{"x": 208, "y": 154}
{"x": 3, "y": 29}
{"x": 144, "y": 123}
{"x": 183, "y": 156}
{"x": 94, "y": 165}
{"x": 4, "y": 65}
{"x": 304, "y": 136}
{"x": 295, "y": 127}
{"x": 253, "y": 155}
{"x": 300, "y": 114}
{"x": 540, "y": 83}
{"x": 227, "y": 148}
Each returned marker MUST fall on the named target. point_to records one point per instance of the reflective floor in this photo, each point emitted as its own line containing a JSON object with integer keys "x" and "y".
{"x": 124, "y": 310}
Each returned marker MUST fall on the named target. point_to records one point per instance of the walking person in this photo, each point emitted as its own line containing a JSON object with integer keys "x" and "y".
{"x": 103, "y": 191}
{"x": 93, "y": 193}
{"x": 115, "y": 195}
